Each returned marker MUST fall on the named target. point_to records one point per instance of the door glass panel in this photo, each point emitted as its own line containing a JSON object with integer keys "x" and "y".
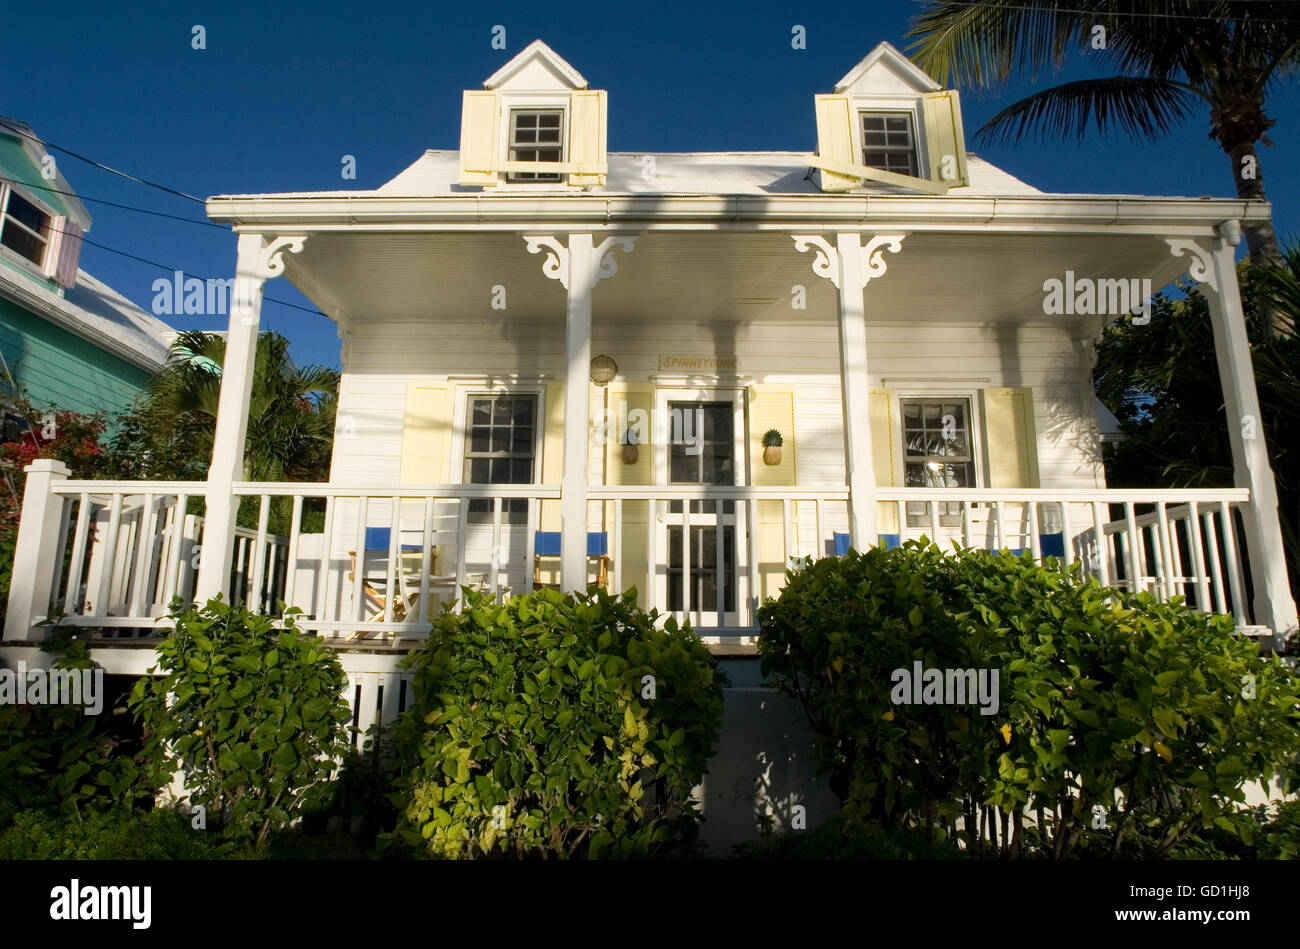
{"x": 701, "y": 450}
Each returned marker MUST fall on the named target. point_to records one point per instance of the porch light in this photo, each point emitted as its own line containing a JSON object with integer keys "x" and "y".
{"x": 603, "y": 370}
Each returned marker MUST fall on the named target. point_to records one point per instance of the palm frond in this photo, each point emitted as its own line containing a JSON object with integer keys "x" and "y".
{"x": 984, "y": 44}
{"x": 1141, "y": 107}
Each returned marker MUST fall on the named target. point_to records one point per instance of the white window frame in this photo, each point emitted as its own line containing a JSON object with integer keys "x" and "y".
{"x": 529, "y": 102}
{"x": 39, "y": 270}
{"x": 909, "y": 104}
{"x": 936, "y": 392}
{"x": 460, "y": 421}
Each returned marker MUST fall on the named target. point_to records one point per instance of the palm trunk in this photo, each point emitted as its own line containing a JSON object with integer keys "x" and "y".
{"x": 1261, "y": 241}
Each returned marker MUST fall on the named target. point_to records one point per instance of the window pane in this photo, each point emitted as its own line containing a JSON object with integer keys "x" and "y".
{"x": 20, "y": 242}
{"x": 482, "y": 411}
{"x": 479, "y": 470}
{"x": 28, "y": 213}
{"x": 523, "y": 411}
{"x": 479, "y": 439}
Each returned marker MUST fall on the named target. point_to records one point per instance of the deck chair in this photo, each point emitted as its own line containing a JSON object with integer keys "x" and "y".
{"x": 546, "y": 544}
{"x": 406, "y": 577}
{"x": 841, "y": 542}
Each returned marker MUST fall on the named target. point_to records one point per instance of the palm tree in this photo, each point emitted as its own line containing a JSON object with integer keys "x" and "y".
{"x": 291, "y": 412}
{"x": 1168, "y": 56}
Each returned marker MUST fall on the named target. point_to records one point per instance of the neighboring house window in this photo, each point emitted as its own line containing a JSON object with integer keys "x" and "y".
{"x": 499, "y": 450}
{"x": 24, "y": 228}
{"x": 937, "y": 453}
{"x": 888, "y": 142}
{"x": 536, "y": 135}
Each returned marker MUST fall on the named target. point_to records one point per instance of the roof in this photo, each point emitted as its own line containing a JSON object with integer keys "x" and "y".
{"x": 886, "y": 59}
{"x": 539, "y": 56}
{"x": 21, "y": 155}
{"x": 98, "y": 314}
{"x": 437, "y": 172}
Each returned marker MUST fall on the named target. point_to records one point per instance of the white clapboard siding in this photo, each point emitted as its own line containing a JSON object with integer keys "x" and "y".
{"x": 388, "y": 356}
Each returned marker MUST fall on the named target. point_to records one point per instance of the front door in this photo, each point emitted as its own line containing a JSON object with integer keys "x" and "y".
{"x": 701, "y": 562}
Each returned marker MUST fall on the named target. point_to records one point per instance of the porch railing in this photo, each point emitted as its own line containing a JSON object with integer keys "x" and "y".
{"x": 377, "y": 562}
{"x": 1175, "y": 542}
{"x": 125, "y": 549}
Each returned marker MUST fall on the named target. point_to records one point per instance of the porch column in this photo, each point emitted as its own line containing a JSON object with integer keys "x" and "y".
{"x": 1273, "y": 605}
{"x": 258, "y": 261}
{"x": 850, "y": 266}
{"x": 36, "y": 551}
{"x": 579, "y": 267}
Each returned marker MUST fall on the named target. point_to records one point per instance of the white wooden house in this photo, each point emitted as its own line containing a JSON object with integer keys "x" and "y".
{"x": 552, "y": 348}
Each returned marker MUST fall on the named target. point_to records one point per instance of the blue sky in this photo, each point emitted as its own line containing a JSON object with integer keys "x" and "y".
{"x": 284, "y": 90}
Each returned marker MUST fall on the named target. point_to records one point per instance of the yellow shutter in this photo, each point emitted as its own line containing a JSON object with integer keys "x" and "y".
{"x": 944, "y": 137}
{"x": 1010, "y": 440}
{"x": 771, "y": 407}
{"x": 885, "y": 448}
{"x": 835, "y": 139}
{"x": 587, "y": 113}
{"x": 553, "y": 453}
{"x": 426, "y": 435}
{"x": 632, "y": 546}
{"x": 479, "y": 137}
{"x": 639, "y": 473}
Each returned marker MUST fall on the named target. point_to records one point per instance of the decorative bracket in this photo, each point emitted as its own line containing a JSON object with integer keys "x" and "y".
{"x": 556, "y": 265}
{"x": 270, "y": 262}
{"x": 603, "y": 264}
{"x": 1198, "y": 268}
{"x": 827, "y": 262}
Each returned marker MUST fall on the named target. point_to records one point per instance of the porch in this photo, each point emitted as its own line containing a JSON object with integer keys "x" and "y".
{"x": 373, "y": 564}
{"x": 777, "y": 298}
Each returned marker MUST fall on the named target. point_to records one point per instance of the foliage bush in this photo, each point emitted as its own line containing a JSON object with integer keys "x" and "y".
{"x": 1120, "y": 717}
{"x": 58, "y": 758}
{"x": 555, "y": 726}
{"x": 118, "y": 834}
{"x": 255, "y": 712}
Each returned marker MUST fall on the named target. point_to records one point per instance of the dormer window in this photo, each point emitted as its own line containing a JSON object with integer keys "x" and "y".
{"x": 888, "y": 142}
{"x": 24, "y": 228}
{"x": 534, "y": 124}
{"x": 536, "y": 135}
{"x": 889, "y": 124}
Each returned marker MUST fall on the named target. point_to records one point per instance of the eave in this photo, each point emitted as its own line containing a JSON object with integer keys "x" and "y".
{"x": 1190, "y": 217}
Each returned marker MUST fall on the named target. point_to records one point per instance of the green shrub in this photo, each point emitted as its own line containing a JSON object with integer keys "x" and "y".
{"x": 555, "y": 726}
{"x": 1119, "y": 716}
{"x": 117, "y": 834}
{"x": 1280, "y": 835}
{"x": 256, "y": 713}
{"x": 58, "y": 758}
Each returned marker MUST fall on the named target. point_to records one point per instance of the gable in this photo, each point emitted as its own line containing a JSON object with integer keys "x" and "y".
{"x": 536, "y": 68}
{"x": 886, "y": 72}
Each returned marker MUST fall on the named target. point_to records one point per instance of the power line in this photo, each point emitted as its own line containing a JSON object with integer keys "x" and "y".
{"x": 154, "y": 263}
{"x": 91, "y": 161}
{"x": 114, "y": 204}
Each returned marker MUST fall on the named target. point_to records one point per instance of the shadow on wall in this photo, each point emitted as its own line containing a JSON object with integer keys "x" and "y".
{"x": 762, "y": 772}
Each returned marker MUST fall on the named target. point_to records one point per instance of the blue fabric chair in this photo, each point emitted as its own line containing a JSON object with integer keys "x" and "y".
{"x": 841, "y": 541}
{"x": 548, "y": 543}
{"x": 1051, "y": 545}
{"x": 377, "y": 538}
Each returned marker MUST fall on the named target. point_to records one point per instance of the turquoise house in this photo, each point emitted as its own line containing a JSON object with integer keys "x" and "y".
{"x": 67, "y": 339}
